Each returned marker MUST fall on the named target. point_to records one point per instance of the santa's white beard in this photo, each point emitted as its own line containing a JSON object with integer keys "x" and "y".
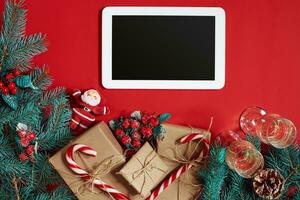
{"x": 90, "y": 100}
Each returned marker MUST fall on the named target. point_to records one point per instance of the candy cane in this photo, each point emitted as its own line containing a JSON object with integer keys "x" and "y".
{"x": 191, "y": 137}
{"x": 176, "y": 174}
{"x": 196, "y": 136}
{"x": 85, "y": 175}
{"x": 164, "y": 185}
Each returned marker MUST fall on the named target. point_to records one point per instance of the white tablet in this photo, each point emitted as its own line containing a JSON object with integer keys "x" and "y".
{"x": 163, "y": 47}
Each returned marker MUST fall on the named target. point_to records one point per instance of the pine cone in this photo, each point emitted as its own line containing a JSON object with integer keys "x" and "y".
{"x": 268, "y": 183}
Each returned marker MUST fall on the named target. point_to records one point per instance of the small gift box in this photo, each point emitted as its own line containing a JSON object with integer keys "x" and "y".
{"x": 145, "y": 170}
{"x": 109, "y": 160}
{"x": 186, "y": 187}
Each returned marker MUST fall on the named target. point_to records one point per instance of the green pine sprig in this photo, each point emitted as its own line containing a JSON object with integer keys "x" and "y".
{"x": 45, "y": 112}
{"x": 213, "y": 176}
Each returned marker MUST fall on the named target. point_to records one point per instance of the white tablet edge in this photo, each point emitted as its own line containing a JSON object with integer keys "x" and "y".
{"x": 107, "y": 81}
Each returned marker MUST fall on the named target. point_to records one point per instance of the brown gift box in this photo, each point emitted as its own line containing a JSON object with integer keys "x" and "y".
{"x": 186, "y": 187}
{"x": 145, "y": 170}
{"x": 100, "y": 138}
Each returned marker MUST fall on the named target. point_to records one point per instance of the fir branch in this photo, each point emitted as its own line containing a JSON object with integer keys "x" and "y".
{"x": 6, "y": 114}
{"x": 57, "y": 131}
{"x": 278, "y": 159}
{"x": 3, "y": 53}
{"x": 234, "y": 182}
{"x": 12, "y": 165}
{"x": 40, "y": 78}
{"x": 214, "y": 175}
{"x": 6, "y": 149}
{"x": 22, "y": 51}
{"x": 27, "y": 180}
{"x": 43, "y": 169}
{"x": 60, "y": 193}
{"x": 14, "y": 21}
{"x": 48, "y": 97}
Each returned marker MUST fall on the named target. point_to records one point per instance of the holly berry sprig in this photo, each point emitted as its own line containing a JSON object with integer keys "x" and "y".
{"x": 10, "y": 83}
{"x": 26, "y": 140}
{"x": 133, "y": 131}
{"x": 7, "y": 85}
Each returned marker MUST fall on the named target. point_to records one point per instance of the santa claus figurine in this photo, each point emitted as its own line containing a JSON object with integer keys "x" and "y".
{"x": 86, "y": 109}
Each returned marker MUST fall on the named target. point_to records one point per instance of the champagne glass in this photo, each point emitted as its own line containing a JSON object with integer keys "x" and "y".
{"x": 270, "y": 128}
{"x": 244, "y": 158}
{"x": 249, "y": 118}
{"x": 276, "y": 130}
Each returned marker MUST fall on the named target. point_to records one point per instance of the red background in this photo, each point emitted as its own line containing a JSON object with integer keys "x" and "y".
{"x": 262, "y": 59}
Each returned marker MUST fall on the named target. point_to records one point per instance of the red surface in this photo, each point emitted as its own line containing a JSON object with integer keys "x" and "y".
{"x": 262, "y": 59}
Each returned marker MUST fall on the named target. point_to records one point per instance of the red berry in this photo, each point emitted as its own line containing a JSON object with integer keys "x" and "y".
{"x": 23, "y": 156}
{"x": 119, "y": 131}
{"x": 30, "y": 150}
{"x": 146, "y": 131}
{"x": 22, "y": 133}
{"x": 31, "y": 136}
{"x": 9, "y": 76}
{"x": 17, "y": 72}
{"x": 1, "y": 84}
{"x": 24, "y": 142}
{"x": 126, "y": 123}
{"x": 136, "y": 143}
{"x": 14, "y": 91}
{"x": 136, "y": 135}
{"x": 145, "y": 119}
{"x": 11, "y": 85}
{"x": 5, "y": 90}
{"x": 135, "y": 124}
{"x": 126, "y": 139}
{"x": 154, "y": 122}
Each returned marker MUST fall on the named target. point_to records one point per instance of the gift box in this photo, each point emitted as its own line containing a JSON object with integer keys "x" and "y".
{"x": 145, "y": 170}
{"x": 186, "y": 187}
{"x": 110, "y": 156}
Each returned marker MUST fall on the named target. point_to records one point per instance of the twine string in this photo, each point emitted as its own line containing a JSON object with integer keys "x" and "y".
{"x": 147, "y": 167}
{"x": 102, "y": 169}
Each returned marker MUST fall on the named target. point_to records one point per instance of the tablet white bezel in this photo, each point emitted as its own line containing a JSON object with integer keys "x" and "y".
{"x": 109, "y": 83}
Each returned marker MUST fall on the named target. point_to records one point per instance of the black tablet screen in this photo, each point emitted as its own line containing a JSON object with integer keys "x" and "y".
{"x": 163, "y": 48}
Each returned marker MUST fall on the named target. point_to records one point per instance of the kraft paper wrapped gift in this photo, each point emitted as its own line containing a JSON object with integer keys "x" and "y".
{"x": 109, "y": 151}
{"x": 187, "y": 186}
{"x": 145, "y": 170}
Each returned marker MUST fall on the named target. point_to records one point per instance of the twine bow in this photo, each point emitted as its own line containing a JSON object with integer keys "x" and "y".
{"x": 146, "y": 169}
{"x": 94, "y": 178}
{"x": 190, "y": 156}
{"x": 103, "y": 169}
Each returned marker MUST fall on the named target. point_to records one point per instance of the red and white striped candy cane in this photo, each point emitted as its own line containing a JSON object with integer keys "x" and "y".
{"x": 165, "y": 184}
{"x": 191, "y": 137}
{"x": 177, "y": 173}
{"x": 197, "y": 136}
{"x": 85, "y": 175}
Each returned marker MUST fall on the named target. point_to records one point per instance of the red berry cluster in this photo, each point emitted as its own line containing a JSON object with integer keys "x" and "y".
{"x": 133, "y": 132}
{"x": 25, "y": 141}
{"x": 7, "y": 85}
